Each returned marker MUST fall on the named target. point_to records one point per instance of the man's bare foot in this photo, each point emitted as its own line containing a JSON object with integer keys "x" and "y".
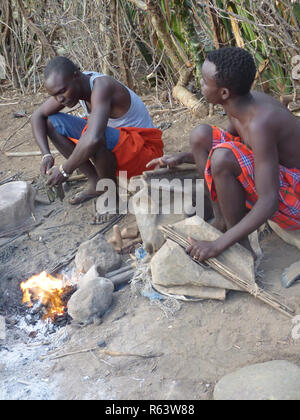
{"x": 89, "y": 192}
{"x": 82, "y": 197}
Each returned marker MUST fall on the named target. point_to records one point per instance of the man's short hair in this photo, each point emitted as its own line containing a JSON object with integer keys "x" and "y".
{"x": 61, "y": 65}
{"x": 235, "y": 69}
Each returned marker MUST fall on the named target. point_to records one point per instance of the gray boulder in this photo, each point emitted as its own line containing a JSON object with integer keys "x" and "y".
{"x": 275, "y": 380}
{"x": 291, "y": 237}
{"x": 99, "y": 252}
{"x": 16, "y": 204}
{"x": 91, "y": 301}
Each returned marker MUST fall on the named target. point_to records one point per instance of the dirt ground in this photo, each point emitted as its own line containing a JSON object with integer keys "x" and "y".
{"x": 196, "y": 346}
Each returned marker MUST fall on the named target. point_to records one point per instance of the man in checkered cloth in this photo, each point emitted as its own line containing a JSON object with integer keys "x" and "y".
{"x": 251, "y": 169}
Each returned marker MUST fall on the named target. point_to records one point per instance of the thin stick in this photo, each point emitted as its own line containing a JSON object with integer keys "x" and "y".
{"x": 170, "y": 171}
{"x": 107, "y": 353}
{"x": 172, "y": 110}
{"x": 254, "y": 290}
{"x": 14, "y": 132}
{"x": 20, "y": 154}
{"x": 9, "y": 103}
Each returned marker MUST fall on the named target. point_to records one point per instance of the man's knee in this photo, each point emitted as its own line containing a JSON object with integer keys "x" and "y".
{"x": 223, "y": 160}
{"x": 201, "y": 137}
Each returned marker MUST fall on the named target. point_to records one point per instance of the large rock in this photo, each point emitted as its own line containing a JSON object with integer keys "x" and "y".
{"x": 99, "y": 252}
{"x": 16, "y": 204}
{"x": 91, "y": 301}
{"x": 275, "y": 380}
{"x": 173, "y": 272}
{"x": 291, "y": 274}
{"x": 237, "y": 258}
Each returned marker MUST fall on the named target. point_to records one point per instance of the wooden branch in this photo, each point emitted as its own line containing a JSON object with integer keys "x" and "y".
{"x": 35, "y": 29}
{"x": 107, "y": 353}
{"x": 186, "y": 98}
{"x": 158, "y": 23}
{"x": 140, "y": 4}
{"x": 20, "y": 154}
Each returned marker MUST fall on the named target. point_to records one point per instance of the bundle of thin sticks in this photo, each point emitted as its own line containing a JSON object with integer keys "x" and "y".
{"x": 213, "y": 263}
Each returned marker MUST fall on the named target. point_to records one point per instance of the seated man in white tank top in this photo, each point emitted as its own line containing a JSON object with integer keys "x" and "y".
{"x": 116, "y": 135}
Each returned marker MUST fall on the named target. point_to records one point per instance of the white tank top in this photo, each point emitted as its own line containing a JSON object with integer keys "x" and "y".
{"x": 136, "y": 116}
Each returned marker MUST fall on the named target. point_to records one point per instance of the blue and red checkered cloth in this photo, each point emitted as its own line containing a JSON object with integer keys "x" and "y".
{"x": 288, "y": 215}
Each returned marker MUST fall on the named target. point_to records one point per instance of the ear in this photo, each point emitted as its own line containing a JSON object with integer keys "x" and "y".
{"x": 225, "y": 94}
{"x": 76, "y": 74}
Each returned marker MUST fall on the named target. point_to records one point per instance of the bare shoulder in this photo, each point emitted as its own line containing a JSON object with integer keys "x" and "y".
{"x": 269, "y": 114}
{"x": 263, "y": 98}
{"x": 107, "y": 86}
{"x": 108, "y": 82}
{"x": 104, "y": 83}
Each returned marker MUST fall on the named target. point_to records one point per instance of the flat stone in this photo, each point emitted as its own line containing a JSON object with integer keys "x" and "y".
{"x": 291, "y": 274}
{"x": 275, "y": 380}
{"x": 2, "y": 329}
{"x": 291, "y": 237}
{"x": 16, "y": 204}
{"x": 190, "y": 292}
{"x": 174, "y": 272}
{"x": 91, "y": 301}
{"x": 98, "y": 252}
{"x": 237, "y": 258}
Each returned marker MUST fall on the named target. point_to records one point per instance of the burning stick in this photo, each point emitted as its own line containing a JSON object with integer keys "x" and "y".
{"x": 49, "y": 291}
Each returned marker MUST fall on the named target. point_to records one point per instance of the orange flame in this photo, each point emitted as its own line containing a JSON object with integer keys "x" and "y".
{"x": 48, "y": 290}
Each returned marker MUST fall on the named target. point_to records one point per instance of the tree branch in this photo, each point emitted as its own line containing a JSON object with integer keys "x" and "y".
{"x": 38, "y": 31}
{"x": 140, "y": 4}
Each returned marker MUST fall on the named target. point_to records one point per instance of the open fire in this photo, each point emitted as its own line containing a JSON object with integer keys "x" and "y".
{"x": 49, "y": 291}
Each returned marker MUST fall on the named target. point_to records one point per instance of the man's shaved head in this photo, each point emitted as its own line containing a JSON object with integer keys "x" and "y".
{"x": 60, "y": 65}
{"x": 62, "y": 81}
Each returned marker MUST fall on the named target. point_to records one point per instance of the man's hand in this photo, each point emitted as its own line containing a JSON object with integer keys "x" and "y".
{"x": 56, "y": 177}
{"x": 47, "y": 164}
{"x": 203, "y": 250}
{"x": 166, "y": 160}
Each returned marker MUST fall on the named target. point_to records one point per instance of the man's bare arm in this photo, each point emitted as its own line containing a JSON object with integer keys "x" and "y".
{"x": 39, "y": 122}
{"x": 39, "y": 129}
